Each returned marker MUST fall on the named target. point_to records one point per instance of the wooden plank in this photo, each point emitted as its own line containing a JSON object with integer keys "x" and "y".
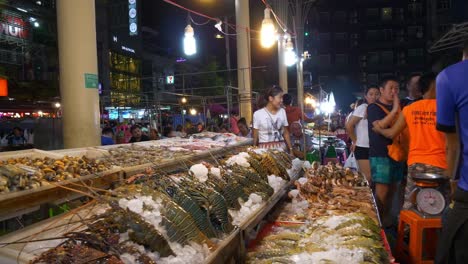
{"x": 15, "y": 202}
{"x": 227, "y": 251}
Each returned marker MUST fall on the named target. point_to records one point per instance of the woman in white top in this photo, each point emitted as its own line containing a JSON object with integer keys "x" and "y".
{"x": 358, "y": 131}
{"x": 270, "y": 122}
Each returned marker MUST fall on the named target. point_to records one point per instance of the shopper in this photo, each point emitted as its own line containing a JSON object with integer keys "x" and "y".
{"x": 414, "y": 93}
{"x": 294, "y": 113}
{"x": 386, "y": 172}
{"x": 357, "y": 129}
{"x": 137, "y": 135}
{"x": 16, "y": 138}
{"x": 270, "y": 122}
{"x": 107, "y": 136}
{"x": 233, "y": 123}
{"x": 244, "y": 129}
{"x": 301, "y": 142}
{"x": 452, "y": 98}
{"x": 154, "y": 135}
{"x": 426, "y": 144}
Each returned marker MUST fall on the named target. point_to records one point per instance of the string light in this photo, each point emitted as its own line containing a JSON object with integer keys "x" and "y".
{"x": 290, "y": 57}
{"x": 190, "y": 44}
{"x": 268, "y": 31}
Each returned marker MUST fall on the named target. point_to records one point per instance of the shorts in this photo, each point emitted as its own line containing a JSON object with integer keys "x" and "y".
{"x": 361, "y": 153}
{"x": 385, "y": 170}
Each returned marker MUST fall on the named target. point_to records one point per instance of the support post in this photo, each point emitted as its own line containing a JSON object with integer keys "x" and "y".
{"x": 76, "y": 27}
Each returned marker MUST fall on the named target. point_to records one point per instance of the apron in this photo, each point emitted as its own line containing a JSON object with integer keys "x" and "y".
{"x": 455, "y": 228}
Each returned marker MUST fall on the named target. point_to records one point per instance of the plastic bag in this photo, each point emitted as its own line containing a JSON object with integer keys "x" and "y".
{"x": 351, "y": 162}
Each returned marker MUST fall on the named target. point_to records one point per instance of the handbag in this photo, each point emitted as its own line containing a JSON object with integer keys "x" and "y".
{"x": 351, "y": 162}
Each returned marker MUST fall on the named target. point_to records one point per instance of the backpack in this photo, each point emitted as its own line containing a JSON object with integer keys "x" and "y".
{"x": 398, "y": 150}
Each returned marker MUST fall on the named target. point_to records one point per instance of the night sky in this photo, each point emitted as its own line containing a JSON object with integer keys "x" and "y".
{"x": 170, "y": 22}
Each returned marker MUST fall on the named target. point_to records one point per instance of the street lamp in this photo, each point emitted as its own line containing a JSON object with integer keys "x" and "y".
{"x": 268, "y": 31}
{"x": 190, "y": 45}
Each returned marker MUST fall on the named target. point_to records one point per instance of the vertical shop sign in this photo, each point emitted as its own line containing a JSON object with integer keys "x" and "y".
{"x": 132, "y": 17}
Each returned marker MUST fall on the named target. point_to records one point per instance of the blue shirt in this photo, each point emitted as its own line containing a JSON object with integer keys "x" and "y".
{"x": 106, "y": 141}
{"x": 452, "y": 98}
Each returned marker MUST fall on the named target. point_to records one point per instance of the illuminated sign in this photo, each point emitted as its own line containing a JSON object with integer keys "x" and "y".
{"x": 170, "y": 79}
{"x": 132, "y": 17}
{"x": 13, "y": 27}
{"x": 128, "y": 49}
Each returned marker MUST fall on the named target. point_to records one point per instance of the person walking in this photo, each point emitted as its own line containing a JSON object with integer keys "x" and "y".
{"x": 386, "y": 172}
{"x": 452, "y": 98}
{"x": 426, "y": 144}
{"x": 270, "y": 124}
{"x": 357, "y": 129}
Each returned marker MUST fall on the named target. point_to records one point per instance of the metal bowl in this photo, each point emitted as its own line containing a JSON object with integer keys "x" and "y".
{"x": 428, "y": 177}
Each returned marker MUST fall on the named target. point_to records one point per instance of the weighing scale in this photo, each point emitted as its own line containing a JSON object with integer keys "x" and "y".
{"x": 427, "y": 197}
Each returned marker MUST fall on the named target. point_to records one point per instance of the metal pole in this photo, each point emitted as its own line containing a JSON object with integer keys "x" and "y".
{"x": 243, "y": 59}
{"x": 282, "y": 69}
{"x": 228, "y": 51}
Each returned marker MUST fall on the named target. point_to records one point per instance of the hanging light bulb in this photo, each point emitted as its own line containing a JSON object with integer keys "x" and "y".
{"x": 193, "y": 111}
{"x": 268, "y": 31}
{"x": 290, "y": 57}
{"x": 190, "y": 45}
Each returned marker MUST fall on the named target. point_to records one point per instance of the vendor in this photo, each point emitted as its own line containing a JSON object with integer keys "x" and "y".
{"x": 137, "y": 135}
{"x": 270, "y": 124}
{"x": 299, "y": 140}
{"x": 244, "y": 130}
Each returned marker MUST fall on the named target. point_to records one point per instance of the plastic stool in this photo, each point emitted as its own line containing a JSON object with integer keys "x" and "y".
{"x": 413, "y": 253}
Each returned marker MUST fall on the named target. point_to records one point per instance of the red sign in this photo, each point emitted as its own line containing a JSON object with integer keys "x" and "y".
{"x": 3, "y": 87}
{"x": 14, "y": 27}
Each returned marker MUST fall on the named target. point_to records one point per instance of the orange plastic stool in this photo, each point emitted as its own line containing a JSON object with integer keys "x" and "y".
{"x": 413, "y": 253}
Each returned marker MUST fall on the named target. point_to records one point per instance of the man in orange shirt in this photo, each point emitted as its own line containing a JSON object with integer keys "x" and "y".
{"x": 426, "y": 144}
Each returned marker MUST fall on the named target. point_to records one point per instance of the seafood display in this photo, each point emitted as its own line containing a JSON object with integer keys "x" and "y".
{"x": 28, "y": 173}
{"x": 157, "y": 216}
{"x": 165, "y": 150}
{"x": 350, "y": 238}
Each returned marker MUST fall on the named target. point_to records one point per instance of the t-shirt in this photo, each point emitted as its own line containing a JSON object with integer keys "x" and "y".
{"x": 362, "y": 129}
{"x": 234, "y": 127}
{"x": 452, "y": 97}
{"x": 377, "y": 143}
{"x": 106, "y": 141}
{"x": 426, "y": 145}
{"x": 293, "y": 113}
{"x": 407, "y": 101}
{"x": 143, "y": 138}
{"x": 270, "y": 126}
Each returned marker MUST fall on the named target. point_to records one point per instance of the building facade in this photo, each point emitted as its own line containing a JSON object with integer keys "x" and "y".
{"x": 28, "y": 48}
{"x": 354, "y": 43}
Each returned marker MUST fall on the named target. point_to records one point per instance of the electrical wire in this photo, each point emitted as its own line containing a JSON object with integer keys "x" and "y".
{"x": 200, "y": 24}
{"x": 206, "y": 16}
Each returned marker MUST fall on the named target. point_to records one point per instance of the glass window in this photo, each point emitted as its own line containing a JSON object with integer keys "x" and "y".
{"x": 415, "y": 53}
{"x": 324, "y": 18}
{"x": 372, "y": 13}
{"x": 373, "y": 58}
{"x": 415, "y": 32}
{"x": 323, "y": 79}
{"x": 415, "y": 10}
{"x": 339, "y": 17}
{"x": 324, "y": 60}
{"x": 373, "y": 78}
{"x": 388, "y": 34}
{"x": 341, "y": 36}
{"x": 387, "y": 13}
{"x": 341, "y": 59}
{"x": 123, "y": 63}
{"x": 372, "y": 35}
{"x": 387, "y": 57}
{"x": 443, "y": 4}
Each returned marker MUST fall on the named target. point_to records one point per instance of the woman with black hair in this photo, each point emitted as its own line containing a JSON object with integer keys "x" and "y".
{"x": 270, "y": 122}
